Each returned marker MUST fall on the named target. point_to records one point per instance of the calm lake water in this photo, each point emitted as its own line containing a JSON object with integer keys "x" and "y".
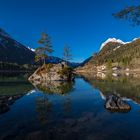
{"x": 68, "y": 111}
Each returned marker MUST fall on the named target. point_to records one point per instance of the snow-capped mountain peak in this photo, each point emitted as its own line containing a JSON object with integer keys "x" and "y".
{"x": 111, "y": 40}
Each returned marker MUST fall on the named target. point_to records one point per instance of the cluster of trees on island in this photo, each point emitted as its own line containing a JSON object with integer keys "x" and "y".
{"x": 45, "y": 49}
{"x": 41, "y": 54}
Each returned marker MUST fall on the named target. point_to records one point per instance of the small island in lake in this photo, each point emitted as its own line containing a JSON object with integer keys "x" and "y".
{"x": 53, "y": 72}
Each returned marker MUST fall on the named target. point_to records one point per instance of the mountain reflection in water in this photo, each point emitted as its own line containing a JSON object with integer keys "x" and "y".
{"x": 127, "y": 87}
{"x": 12, "y": 89}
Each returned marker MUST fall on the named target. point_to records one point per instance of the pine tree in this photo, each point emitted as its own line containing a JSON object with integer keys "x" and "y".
{"x": 45, "y": 48}
{"x": 130, "y": 13}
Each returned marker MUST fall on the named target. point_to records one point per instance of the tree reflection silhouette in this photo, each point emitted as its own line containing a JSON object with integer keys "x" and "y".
{"x": 43, "y": 108}
{"x": 44, "y": 105}
{"x": 54, "y": 87}
{"x": 67, "y": 105}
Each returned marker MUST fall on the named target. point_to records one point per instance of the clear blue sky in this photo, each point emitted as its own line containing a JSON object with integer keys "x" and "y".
{"x": 83, "y": 24}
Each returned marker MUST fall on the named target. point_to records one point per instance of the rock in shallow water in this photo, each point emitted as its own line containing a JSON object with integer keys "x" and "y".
{"x": 52, "y": 72}
{"x": 115, "y": 103}
{"x": 6, "y": 101}
{"x": 4, "y": 108}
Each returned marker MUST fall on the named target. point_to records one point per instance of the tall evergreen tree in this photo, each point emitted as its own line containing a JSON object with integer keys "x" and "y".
{"x": 45, "y": 48}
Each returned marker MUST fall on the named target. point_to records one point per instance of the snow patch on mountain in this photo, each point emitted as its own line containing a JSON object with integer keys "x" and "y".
{"x": 116, "y": 48}
{"x": 111, "y": 40}
{"x": 33, "y": 50}
{"x": 135, "y": 39}
{"x": 117, "y": 41}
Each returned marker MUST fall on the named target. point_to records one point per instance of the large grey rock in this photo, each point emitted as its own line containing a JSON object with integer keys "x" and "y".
{"x": 51, "y": 72}
{"x": 115, "y": 103}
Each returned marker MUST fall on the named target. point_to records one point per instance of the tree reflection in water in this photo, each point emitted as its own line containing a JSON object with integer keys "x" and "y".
{"x": 44, "y": 105}
{"x": 43, "y": 108}
{"x": 55, "y": 87}
{"x": 67, "y": 106}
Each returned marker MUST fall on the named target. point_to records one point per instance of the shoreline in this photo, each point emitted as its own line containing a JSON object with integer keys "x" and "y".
{"x": 15, "y": 71}
{"x": 109, "y": 71}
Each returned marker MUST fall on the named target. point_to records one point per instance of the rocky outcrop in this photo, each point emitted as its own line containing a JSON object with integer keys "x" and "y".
{"x": 115, "y": 103}
{"x": 52, "y": 72}
{"x": 6, "y": 101}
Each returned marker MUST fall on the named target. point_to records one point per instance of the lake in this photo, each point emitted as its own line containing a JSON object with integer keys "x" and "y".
{"x": 68, "y": 111}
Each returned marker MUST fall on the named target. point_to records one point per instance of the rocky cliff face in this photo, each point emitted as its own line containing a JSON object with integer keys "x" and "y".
{"x": 52, "y": 72}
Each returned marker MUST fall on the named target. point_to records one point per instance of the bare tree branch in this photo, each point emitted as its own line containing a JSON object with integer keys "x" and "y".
{"x": 131, "y": 13}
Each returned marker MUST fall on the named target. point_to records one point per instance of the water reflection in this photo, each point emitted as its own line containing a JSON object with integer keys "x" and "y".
{"x": 126, "y": 87}
{"x": 43, "y": 108}
{"x": 72, "y": 111}
{"x": 67, "y": 105}
{"x": 44, "y": 105}
{"x": 12, "y": 89}
{"x": 57, "y": 87}
{"x": 70, "y": 129}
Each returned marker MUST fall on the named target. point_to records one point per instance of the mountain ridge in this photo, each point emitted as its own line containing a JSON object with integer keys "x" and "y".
{"x": 125, "y": 55}
{"x": 111, "y": 40}
{"x": 12, "y": 51}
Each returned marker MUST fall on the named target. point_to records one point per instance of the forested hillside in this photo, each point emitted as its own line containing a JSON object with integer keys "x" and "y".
{"x": 117, "y": 54}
